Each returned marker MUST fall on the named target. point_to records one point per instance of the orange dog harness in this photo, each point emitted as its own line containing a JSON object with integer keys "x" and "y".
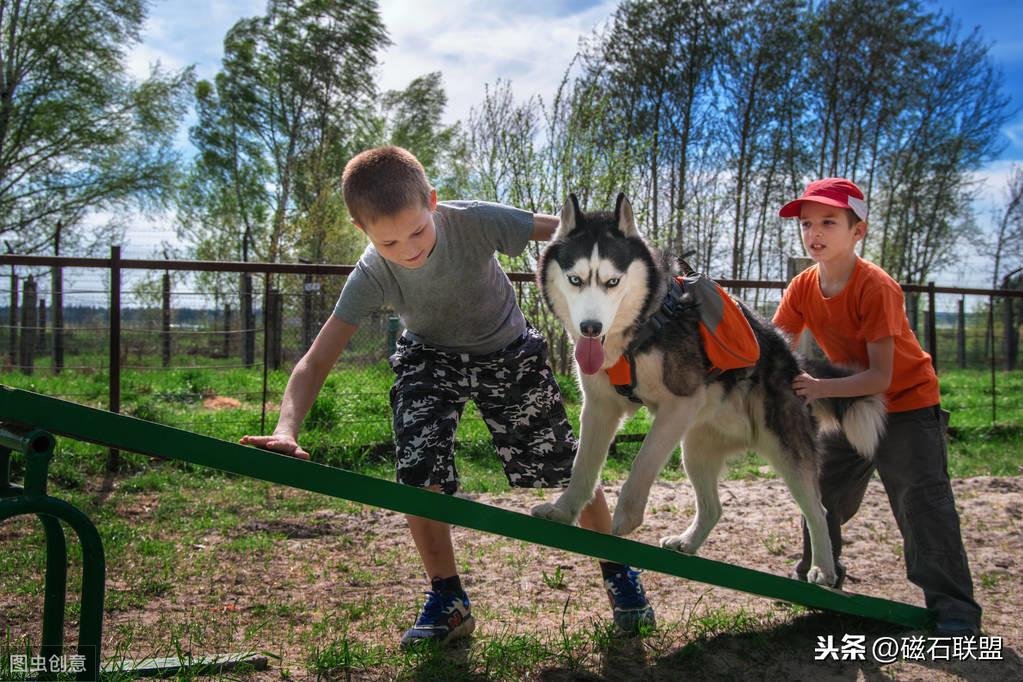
{"x": 725, "y": 333}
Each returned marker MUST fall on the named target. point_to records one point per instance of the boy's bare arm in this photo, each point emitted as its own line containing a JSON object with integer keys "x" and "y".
{"x": 544, "y": 226}
{"x": 871, "y": 381}
{"x": 304, "y": 385}
{"x": 311, "y": 371}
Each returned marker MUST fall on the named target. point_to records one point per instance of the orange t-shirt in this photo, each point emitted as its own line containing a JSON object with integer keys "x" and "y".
{"x": 869, "y": 308}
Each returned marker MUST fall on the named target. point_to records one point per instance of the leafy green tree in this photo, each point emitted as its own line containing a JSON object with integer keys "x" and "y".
{"x": 900, "y": 102}
{"x": 294, "y": 97}
{"x": 658, "y": 59}
{"x": 77, "y": 133}
{"x": 760, "y": 78}
{"x": 413, "y": 120}
{"x": 1008, "y": 238}
{"x": 224, "y": 204}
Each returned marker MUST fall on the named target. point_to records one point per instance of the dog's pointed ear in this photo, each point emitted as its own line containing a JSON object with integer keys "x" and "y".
{"x": 624, "y": 217}
{"x": 570, "y": 214}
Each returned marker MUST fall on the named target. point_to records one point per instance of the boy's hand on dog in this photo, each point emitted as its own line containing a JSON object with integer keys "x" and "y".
{"x": 286, "y": 445}
{"x": 808, "y": 388}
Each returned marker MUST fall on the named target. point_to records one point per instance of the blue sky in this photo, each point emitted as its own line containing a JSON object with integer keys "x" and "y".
{"x": 529, "y": 42}
{"x": 1000, "y": 24}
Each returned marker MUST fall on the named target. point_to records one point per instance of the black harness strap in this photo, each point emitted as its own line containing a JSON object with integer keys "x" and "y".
{"x": 671, "y": 307}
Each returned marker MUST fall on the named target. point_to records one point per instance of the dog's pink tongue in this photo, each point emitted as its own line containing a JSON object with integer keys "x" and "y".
{"x": 589, "y": 354}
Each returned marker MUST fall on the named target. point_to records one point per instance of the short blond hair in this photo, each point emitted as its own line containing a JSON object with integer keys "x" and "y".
{"x": 383, "y": 182}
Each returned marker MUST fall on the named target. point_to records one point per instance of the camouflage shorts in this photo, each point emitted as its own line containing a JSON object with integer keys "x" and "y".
{"x": 515, "y": 391}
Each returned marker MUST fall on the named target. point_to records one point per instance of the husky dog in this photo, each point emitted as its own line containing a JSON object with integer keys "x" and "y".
{"x": 604, "y": 283}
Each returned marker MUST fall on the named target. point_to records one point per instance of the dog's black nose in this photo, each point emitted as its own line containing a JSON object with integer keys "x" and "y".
{"x": 590, "y": 327}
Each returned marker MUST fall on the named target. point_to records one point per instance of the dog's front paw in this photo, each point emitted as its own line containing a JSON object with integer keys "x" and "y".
{"x": 679, "y": 543}
{"x": 626, "y": 519}
{"x": 552, "y": 512}
{"x": 818, "y": 576}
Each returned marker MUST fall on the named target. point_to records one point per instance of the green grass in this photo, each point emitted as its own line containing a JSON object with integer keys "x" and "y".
{"x": 166, "y": 523}
{"x": 977, "y": 445}
{"x": 349, "y": 425}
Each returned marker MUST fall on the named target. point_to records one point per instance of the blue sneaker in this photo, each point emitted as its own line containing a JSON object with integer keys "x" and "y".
{"x": 445, "y": 617}
{"x": 956, "y": 627}
{"x": 628, "y": 601}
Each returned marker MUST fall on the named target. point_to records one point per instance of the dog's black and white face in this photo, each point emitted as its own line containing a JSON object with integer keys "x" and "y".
{"x": 598, "y": 276}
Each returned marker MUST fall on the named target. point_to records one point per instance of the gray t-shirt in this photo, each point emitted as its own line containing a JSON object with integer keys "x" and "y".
{"x": 460, "y": 300}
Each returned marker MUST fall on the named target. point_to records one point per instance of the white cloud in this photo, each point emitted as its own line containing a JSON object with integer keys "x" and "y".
{"x": 474, "y": 44}
{"x": 991, "y": 183}
{"x": 183, "y": 32}
{"x": 1014, "y": 131}
{"x": 141, "y": 60}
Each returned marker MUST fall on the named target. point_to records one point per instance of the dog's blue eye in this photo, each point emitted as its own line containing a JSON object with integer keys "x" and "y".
{"x": 575, "y": 280}
{"x": 613, "y": 282}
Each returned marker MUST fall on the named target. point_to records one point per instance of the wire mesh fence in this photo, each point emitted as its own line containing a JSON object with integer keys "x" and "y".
{"x": 209, "y": 346}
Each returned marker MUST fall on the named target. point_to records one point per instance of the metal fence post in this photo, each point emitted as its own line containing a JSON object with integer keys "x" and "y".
{"x": 961, "y": 334}
{"x": 41, "y": 325}
{"x": 166, "y": 327}
{"x": 12, "y": 348}
{"x": 58, "y": 319}
{"x": 392, "y": 333}
{"x": 1011, "y": 334}
{"x": 26, "y": 352}
{"x": 912, "y": 306}
{"x": 266, "y": 349}
{"x": 932, "y": 326}
{"x": 275, "y": 324}
{"x": 991, "y": 345}
{"x": 248, "y": 321}
{"x": 308, "y": 289}
{"x": 227, "y": 330}
{"x": 114, "y": 457}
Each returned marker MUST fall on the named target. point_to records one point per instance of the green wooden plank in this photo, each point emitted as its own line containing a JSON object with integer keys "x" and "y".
{"x": 127, "y": 433}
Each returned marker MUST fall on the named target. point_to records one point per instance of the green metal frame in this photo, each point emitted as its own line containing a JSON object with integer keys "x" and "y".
{"x": 37, "y": 447}
{"x": 34, "y": 411}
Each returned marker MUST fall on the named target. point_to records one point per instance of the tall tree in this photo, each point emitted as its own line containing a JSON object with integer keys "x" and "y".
{"x": 760, "y": 80}
{"x": 77, "y": 133}
{"x": 413, "y": 120}
{"x": 1008, "y": 237}
{"x": 224, "y": 202}
{"x": 295, "y": 91}
{"x": 902, "y": 104}
{"x": 504, "y": 162}
{"x": 657, "y": 60}
{"x": 948, "y": 129}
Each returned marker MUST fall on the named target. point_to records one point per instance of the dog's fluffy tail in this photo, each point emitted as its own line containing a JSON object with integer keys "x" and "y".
{"x": 863, "y": 420}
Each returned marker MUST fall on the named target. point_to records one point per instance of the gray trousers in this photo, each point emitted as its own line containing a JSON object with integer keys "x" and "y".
{"x": 912, "y": 461}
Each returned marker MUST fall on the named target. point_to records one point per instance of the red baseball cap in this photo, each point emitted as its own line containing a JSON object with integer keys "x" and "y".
{"x": 837, "y": 192}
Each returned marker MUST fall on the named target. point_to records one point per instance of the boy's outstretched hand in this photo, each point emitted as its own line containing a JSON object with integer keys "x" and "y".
{"x": 807, "y": 387}
{"x": 286, "y": 445}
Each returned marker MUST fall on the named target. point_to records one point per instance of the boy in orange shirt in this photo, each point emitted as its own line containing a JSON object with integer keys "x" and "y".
{"x": 855, "y": 311}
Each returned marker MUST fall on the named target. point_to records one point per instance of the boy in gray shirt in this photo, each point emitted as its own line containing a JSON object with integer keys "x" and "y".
{"x": 465, "y": 338}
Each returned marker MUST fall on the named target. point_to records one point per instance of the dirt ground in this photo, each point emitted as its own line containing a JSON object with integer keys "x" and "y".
{"x": 759, "y": 529}
{"x": 336, "y": 562}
